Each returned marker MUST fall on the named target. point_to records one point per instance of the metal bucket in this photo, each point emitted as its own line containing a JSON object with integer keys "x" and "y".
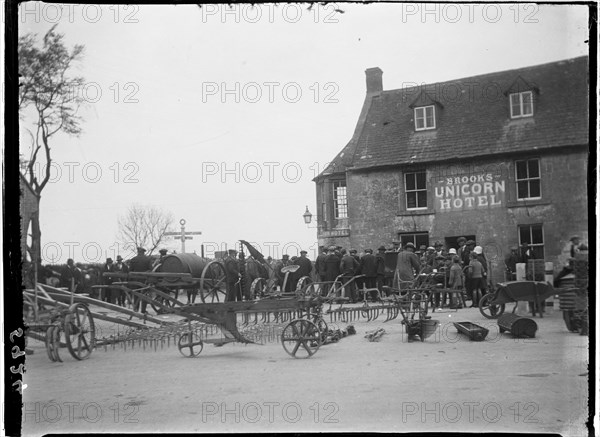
{"x": 184, "y": 263}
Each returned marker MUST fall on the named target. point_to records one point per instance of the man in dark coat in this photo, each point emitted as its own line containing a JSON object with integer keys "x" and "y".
{"x": 380, "y": 261}
{"x": 348, "y": 267}
{"x": 109, "y": 293}
{"x": 232, "y": 276}
{"x": 305, "y": 265}
{"x": 72, "y": 276}
{"x": 368, "y": 267}
{"x": 120, "y": 267}
{"x": 332, "y": 265}
{"x": 320, "y": 264}
{"x": 141, "y": 263}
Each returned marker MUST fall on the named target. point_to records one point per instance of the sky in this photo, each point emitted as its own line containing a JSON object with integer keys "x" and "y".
{"x": 223, "y": 116}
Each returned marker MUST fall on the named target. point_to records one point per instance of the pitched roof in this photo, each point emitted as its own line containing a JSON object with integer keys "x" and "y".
{"x": 472, "y": 118}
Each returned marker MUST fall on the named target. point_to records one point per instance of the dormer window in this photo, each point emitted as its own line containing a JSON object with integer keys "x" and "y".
{"x": 521, "y": 104}
{"x": 425, "y": 117}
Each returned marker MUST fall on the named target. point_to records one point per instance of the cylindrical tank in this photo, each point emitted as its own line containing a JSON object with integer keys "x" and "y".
{"x": 184, "y": 263}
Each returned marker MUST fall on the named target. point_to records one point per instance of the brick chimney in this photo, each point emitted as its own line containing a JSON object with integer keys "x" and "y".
{"x": 374, "y": 80}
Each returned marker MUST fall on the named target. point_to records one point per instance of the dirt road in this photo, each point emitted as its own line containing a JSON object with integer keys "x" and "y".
{"x": 443, "y": 384}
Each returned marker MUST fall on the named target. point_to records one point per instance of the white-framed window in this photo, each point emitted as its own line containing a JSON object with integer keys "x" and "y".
{"x": 533, "y": 235}
{"x": 425, "y": 117}
{"x": 340, "y": 200}
{"x": 521, "y": 104}
{"x": 528, "y": 179}
{"x": 417, "y": 238}
{"x": 415, "y": 186}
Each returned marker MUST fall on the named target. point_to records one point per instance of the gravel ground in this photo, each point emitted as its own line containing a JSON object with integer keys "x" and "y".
{"x": 446, "y": 383}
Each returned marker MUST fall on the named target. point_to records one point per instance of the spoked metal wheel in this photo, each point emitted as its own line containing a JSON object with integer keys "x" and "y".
{"x": 79, "y": 331}
{"x": 489, "y": 310}
{"x": 213, "y": 283}
{"x": 301, "y": 338}
{"x": 190, "y": 345}
{"x": 258, "y": 288}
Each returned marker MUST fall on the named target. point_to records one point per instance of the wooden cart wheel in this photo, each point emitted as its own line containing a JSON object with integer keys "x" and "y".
{"x": 258, "y": 288}
{"x": 213, "y": 283}
{"x": 301, "y": 338}
{"x": 49, "y": 341}
{"x": 56, "y": 342}
{"x": 80, "y": 332}
{"x": 489, "y": 310}
{"x": 53, "y": 343}
{"x": 190, "y": 345}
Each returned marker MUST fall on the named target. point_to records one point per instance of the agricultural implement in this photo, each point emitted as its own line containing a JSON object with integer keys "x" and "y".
{"x": 411, "y": 304}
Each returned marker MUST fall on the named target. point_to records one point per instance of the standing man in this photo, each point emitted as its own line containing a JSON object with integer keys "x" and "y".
{"x": 467, "y": 249}
{"x": 320, "y": 264}
{"x": 407, "y": 266}
{"x": 305, "y": 265}
{"x": 380, "y": 261}
{"x": 461, "y": 241}
{"x": 109, "y": 293}
{"x": 120, "y": 267}
{"x": 232, "y": 276}
{"x": 71, "y": 276}
{"x": 348, "y": 267}
{"x": 141, "y": 263}
{"x": 368, "y": 267}
{"x": 332, "y": 265}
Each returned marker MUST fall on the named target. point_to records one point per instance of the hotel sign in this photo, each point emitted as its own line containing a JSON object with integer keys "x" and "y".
{"x": 475, "y": 191}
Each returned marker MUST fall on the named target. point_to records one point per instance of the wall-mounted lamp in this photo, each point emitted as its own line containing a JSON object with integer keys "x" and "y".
{"x": 308, "y": 218}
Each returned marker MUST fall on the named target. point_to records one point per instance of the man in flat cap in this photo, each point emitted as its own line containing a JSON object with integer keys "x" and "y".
{"x": 368, "y": 267}
{"x": 320, "y": 263}
{"x": 304, "y": 270}
{"x": 407, "y": 266}
{"x": 380, "y": 260}
{"x": 141, "y": 263}
{"x": 332, "y": 264}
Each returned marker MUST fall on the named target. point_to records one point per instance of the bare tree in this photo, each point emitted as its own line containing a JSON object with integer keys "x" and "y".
{"x": 144, "y": 226}
{"x": 48, "y": 104}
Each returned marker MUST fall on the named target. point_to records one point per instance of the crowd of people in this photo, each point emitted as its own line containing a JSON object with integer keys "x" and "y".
{"x": 464, "y": 268}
